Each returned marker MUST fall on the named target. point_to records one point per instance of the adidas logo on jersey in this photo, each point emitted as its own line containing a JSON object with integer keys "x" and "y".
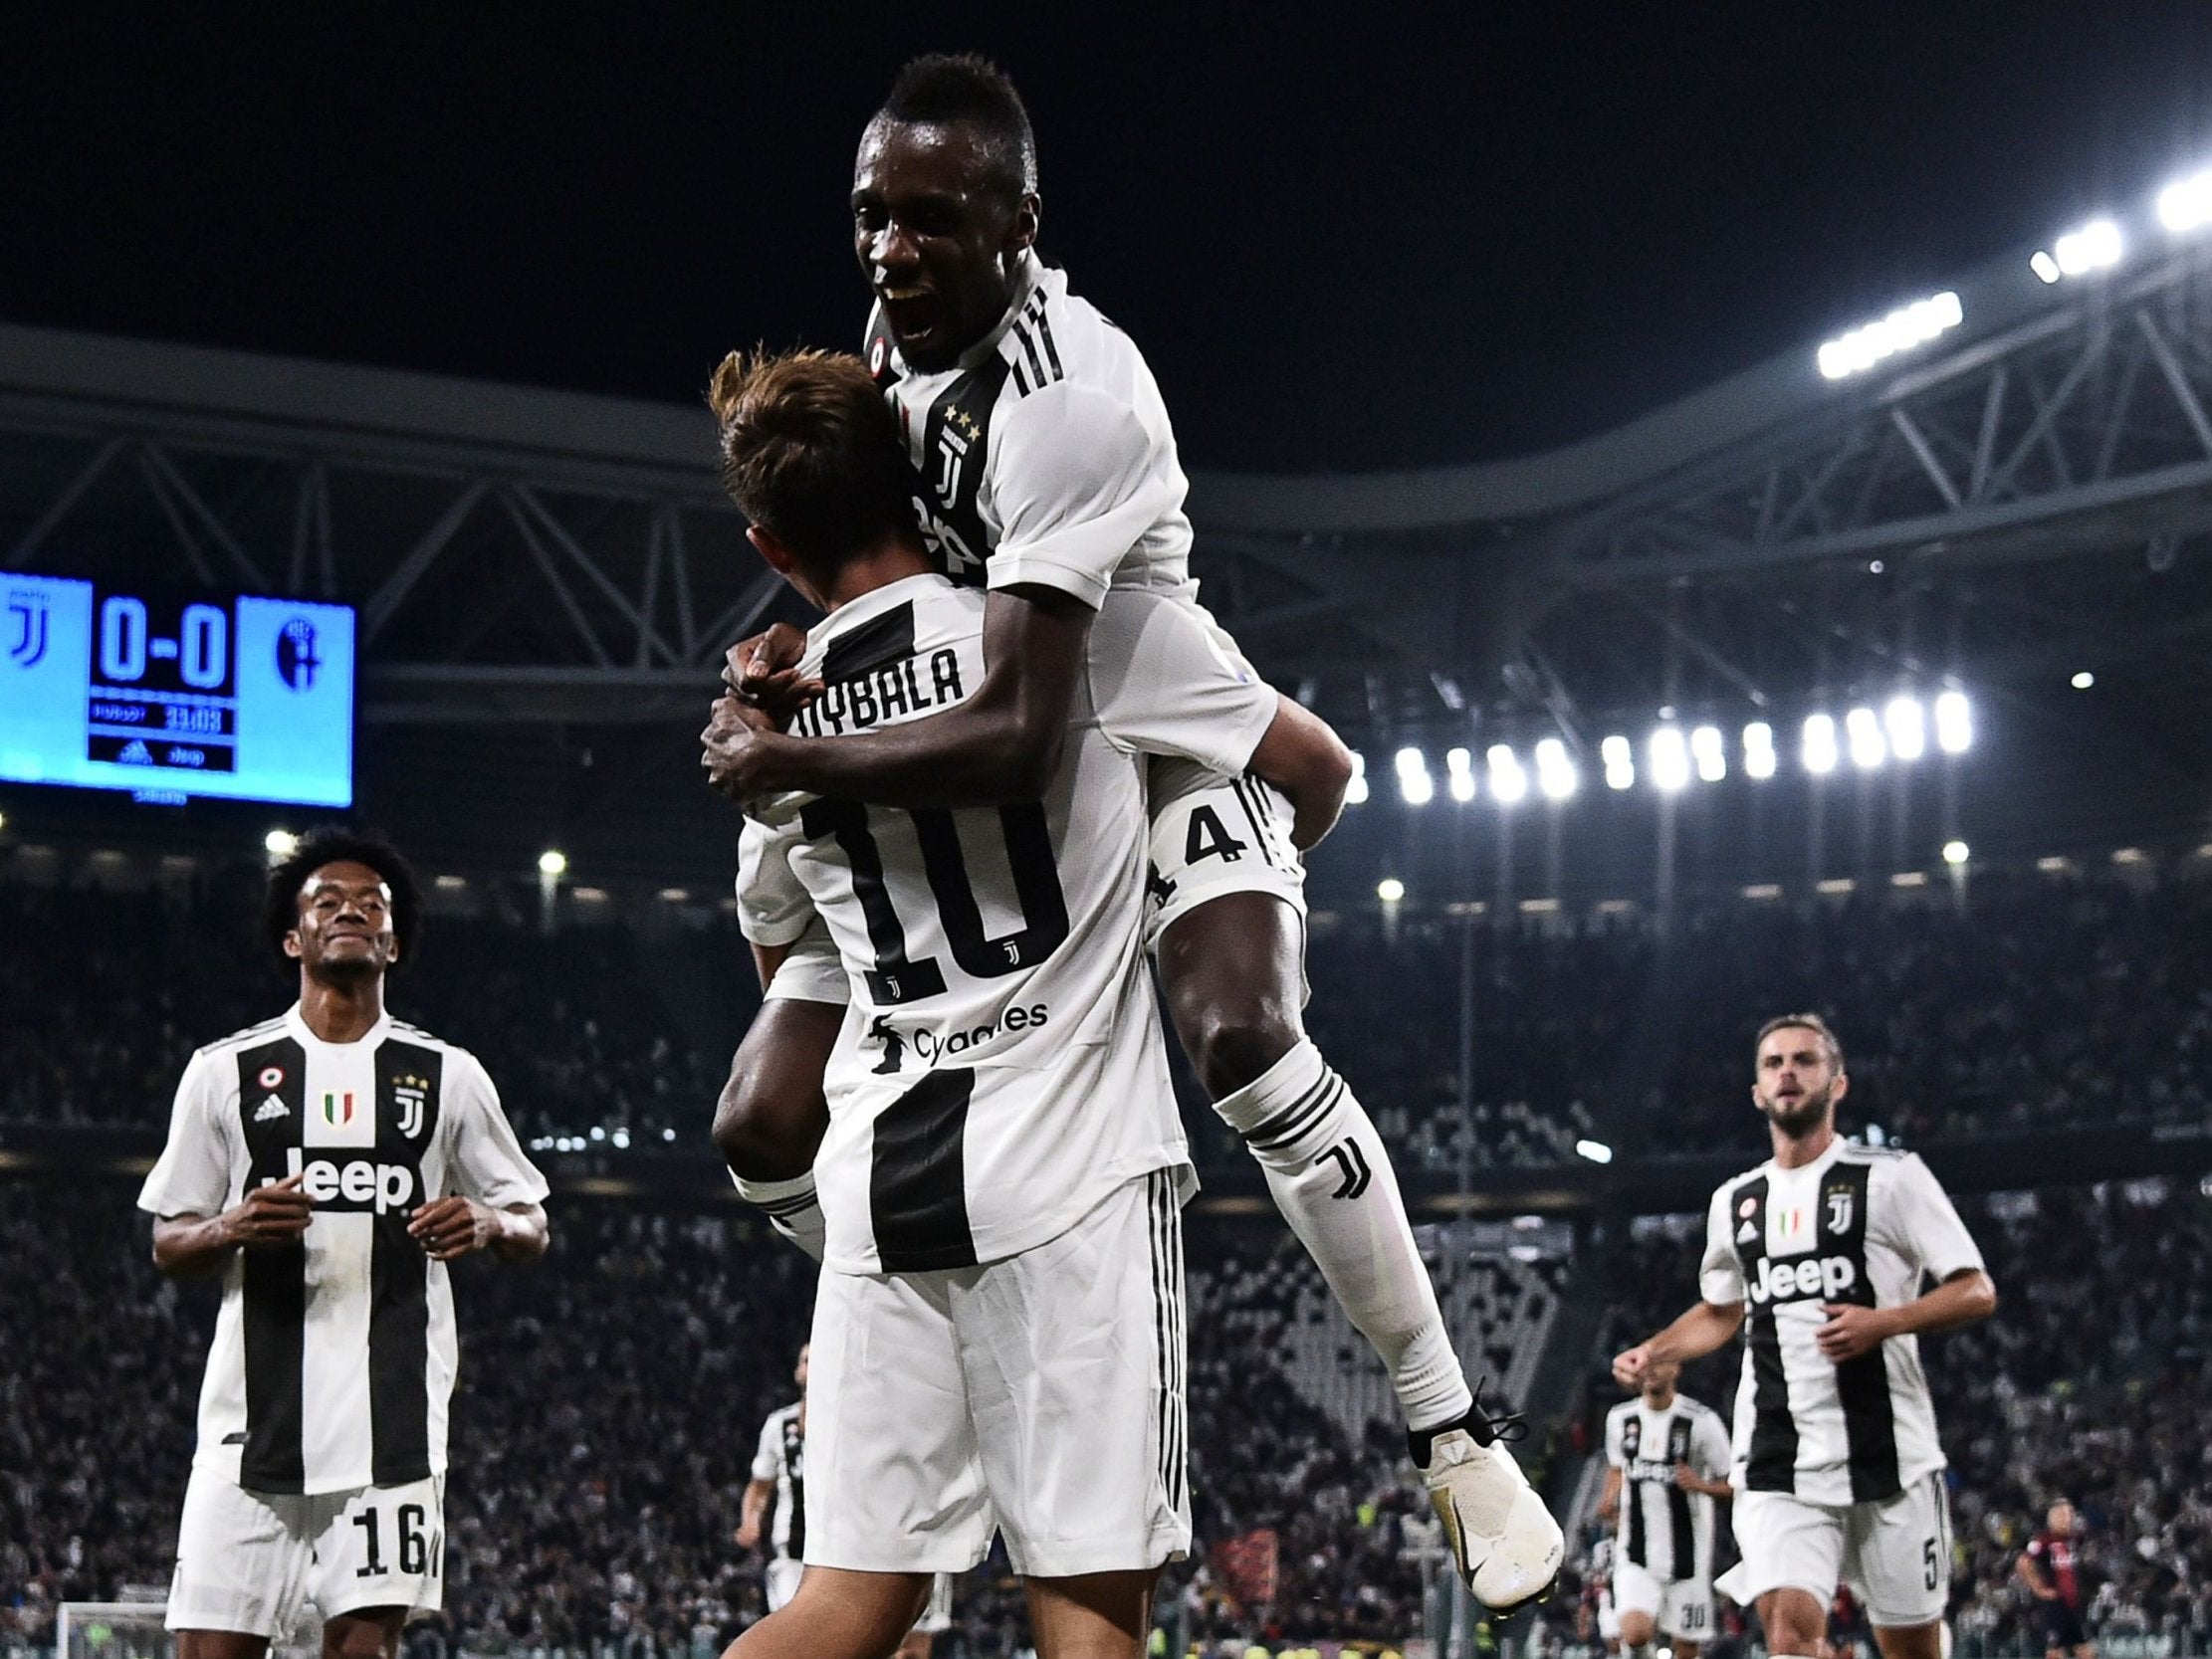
{"x": 353, "y": 1181}
{"x": 271, "y": 1108}
{"x": 1800, "y": 1278}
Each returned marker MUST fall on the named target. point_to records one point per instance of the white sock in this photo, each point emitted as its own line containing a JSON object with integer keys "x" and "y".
{"x": 792, "y": 1209}
{"x": 1332, "y": 1180}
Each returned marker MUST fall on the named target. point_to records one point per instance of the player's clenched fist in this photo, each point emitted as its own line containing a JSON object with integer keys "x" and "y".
{"x": 1630, "y": 1365}
{"x": 274, "y": 1214}
{"x": 764, "y": 670}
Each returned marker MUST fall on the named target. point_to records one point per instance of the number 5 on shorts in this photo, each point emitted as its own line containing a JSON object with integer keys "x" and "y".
{"x": 1932, "y": 1564}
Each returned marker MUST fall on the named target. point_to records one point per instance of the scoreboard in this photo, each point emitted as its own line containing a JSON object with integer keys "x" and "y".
{"x": 172, "y": 696}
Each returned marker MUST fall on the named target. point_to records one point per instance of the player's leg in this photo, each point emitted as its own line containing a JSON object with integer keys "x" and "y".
{"x": 377, "y": 1558}
{"x": 1229, "y": 935}
{"x": 838, "y": 1613}
{"x": 1074, "y": 1353}
{"x": 1637, "y": 1597}
{"x": 1095, "y": 1615}
{"x": 894, "y": 1489}
{"x": 771, "y": 1115}
{"x": 1793, "y": 1558}
{"x": 242, "y": 1559}
{"x": 1233, "y": 970}
{"x": 363, "y": 1633}
{"x": 220, "y": 1644}
{"x": 1900, "y": 1551}
{"x": 1686, "y": 1616}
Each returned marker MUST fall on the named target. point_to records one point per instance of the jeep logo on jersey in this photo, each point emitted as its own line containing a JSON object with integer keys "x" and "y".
{"x": 353, "y": 1181}
{"x": 1801, "y": 1278}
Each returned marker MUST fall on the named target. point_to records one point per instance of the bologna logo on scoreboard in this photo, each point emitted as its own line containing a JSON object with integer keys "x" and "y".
{"x": 297, "y": 656}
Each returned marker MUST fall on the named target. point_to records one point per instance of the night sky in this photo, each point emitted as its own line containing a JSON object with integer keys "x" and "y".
{"x": 1346, "y": 238}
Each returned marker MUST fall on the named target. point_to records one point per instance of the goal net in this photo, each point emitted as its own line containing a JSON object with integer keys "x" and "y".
{"x": 135, "y": 1630}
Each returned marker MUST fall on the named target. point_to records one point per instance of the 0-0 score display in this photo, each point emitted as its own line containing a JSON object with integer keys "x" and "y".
{"x": 168, "y": 697}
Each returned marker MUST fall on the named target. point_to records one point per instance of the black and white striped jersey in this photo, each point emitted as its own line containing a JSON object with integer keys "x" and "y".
{"x": 1859, "y": 1225}
{"x": 1001, "y": 1068}
{"x": 1665, "y": 1530}
{"x": 1046, "y": 455}
{"x": 781, "y": 1457}
{"x": 334, "y": 1359}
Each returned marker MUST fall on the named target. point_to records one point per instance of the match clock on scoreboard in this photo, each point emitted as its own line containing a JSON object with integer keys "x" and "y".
{"x": 168, "y": 695}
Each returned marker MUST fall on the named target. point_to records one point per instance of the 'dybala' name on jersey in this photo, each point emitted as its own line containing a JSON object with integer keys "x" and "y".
{"x": 1044, "y": 457}
{"x": 1858, "y": 1225}
{"x": 333, "y": 1358}
{"x": 1001, "y": 1068}
{"x": 1667, "y": 1531}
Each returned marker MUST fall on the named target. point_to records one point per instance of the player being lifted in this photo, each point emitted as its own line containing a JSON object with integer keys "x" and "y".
{"x": 1666, "y": 1460}
{"x": 998, "y": 1342}
{"x": 773, "y": 1511}
{"x": 1047, "y": 473}
{"x": 1818, "y": 1256}
{"x": 328, "y": 1163}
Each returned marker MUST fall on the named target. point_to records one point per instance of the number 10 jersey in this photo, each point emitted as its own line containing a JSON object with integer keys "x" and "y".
{"x": 1000, "y": 1069}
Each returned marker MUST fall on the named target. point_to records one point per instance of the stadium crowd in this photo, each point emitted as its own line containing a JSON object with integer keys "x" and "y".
{"x": 605, "y": 1418}
{"x": 2043, "y": 1002}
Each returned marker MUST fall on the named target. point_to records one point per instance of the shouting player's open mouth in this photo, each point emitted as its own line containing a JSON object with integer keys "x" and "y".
{"x": 914, "y": 314}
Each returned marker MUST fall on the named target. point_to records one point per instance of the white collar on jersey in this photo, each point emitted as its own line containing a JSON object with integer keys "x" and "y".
{"x": 296, "y": 1023}
{"x": 873, "y": 603}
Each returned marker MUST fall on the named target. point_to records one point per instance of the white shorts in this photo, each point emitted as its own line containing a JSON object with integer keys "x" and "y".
{"x": 1894, "y": 1552}
{"x": 1041, "y": 1396}
{"x": 1682, "y": 1610}
{"x": 781, "y": 1581}
{"x": 1212, "y": 835}
{"x": 246, "y": 1562}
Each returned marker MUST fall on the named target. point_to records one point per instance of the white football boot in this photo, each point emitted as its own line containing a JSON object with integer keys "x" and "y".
{"x": 1506, "y": 1543}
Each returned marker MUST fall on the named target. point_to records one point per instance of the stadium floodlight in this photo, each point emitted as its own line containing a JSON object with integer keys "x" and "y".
{"x": 1509, "y": 782}
{"x": 1818, "y": 745}
{"x": 1710, "y": 753}
{"x": 1955, "y": 852}
{"x": 2083, "y": 681}
{"x": 2097, "y": 246}
{"x": 550, "y": 863}
{"x": 1954, "y": 724}
{"x": 1907, "y": 727}
{"x": 1597, "y": 1151}
{"x": 1458, "y": 767}
{"x": 622, "y": 1139}
{"x": 1862, "y": 733}
{"x": 1414, "y": 786}
{"x": 280, "y": 843}
{"x": 1620, "y": 762}
{"x": 1758, "y": 749}
{"x": 2186, "y": 204}
{"x": 1670, "y": 759}
{"x": 1903, "y": 329}
{"x": 1555, "y": 770}
{"x": 1355, "y": 792}
{"x": 1390, "y": 890}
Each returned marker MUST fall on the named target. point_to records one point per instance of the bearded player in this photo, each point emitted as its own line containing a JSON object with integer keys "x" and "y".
{"x": 1818, "y": 1256}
